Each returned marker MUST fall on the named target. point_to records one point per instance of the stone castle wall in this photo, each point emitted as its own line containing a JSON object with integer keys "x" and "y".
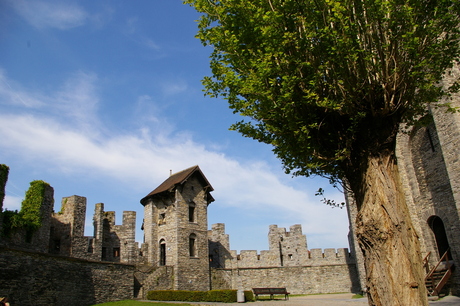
{"x": 148, "y": 277}
{"x": 429, "y": 164}
{"x": 62, "y": 233}
{"x": 297, "y": 280}
{"x": 31, "y": 278}
{"x": 288, "y": 264}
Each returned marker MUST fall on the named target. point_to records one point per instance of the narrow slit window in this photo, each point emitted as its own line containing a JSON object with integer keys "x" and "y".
{"x": 192, "y": 245}
{"x": 191, "y": 212}
{"x": 162, "y": 252}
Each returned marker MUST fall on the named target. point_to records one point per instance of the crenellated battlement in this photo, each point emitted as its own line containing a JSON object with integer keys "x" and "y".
{"x": 287, "y": 249}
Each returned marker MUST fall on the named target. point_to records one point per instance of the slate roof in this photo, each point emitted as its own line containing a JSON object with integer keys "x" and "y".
{"x": 179, "y": 178}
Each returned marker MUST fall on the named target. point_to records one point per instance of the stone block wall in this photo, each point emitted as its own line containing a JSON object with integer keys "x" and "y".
{"x": 297, "y": 280}
{"x": 30, "y": 278}
{"x": 114, "y": 242}
{"x": 429, "y": 164}
{"x": 67, "y": 226}
{"x": 288, "y": 263}
{"x": 192, "y": 267}
{"x": 148, "y": 277}
{"x": 287, "y": 249}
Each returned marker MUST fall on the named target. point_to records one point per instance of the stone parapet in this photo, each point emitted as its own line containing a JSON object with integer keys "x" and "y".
{"x": 30, "y": 278}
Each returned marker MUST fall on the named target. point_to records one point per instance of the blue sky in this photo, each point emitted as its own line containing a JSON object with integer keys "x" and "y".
{"x": 103, "y": 98}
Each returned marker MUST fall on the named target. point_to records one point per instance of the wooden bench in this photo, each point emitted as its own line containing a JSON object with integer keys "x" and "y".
{"x": 271, "y": 292}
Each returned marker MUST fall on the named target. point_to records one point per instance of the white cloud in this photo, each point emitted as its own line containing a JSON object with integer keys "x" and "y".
{"x": 76, "y": 101}
{"x": 173, "y": 87}
{"x": 41, "y": 14}
{"x": 138, "y": 158}
{"x": 12, "y": 94}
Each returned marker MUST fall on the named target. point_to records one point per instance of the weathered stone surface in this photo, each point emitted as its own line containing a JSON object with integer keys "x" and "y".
{"x": 30, "y": 278}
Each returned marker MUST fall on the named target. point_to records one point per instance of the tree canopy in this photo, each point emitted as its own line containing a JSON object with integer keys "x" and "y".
{"x": 329, "y": 83}
{"x": 317, "y": 78}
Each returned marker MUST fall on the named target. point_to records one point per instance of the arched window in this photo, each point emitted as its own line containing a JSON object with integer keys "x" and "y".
{"x": 437, "y": 226}
{"x": 192, "y": 245}
{"x": 162, "y": 252}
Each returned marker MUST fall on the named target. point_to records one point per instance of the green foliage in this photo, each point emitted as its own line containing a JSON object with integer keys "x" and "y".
{"x": 4, "y": 170}
{"x": 223, "y": 296}
{"x": 29, "y": 217}
{"x": 249, "y": 296}
{"x": 135, "y": 303}
{"x": 31, "y": 205}
{"x": 325, "y": 82}
{"x": 11, "y": 222}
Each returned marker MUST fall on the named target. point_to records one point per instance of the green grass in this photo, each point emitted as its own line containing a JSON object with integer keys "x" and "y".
{"x": 357, "y": 296}
{"x": 138, "y": 303}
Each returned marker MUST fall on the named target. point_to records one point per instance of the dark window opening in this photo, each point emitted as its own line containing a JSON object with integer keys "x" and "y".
{"x": 57, "y": 245}
{"x": 162, "y": 253}
{"x": 192, "y": 245}
{"x": 104, "y": 253}
{"x": 191, "y": 213}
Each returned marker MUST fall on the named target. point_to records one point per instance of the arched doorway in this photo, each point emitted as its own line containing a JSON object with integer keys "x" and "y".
{"x": 162, "y": 252}
{"x": 442, "y": 243}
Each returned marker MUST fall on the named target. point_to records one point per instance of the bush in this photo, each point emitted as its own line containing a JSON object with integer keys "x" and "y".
{"x": 29, "y": 217}
{"x": 222, "y": 296}
{"x": 249, "y": 296}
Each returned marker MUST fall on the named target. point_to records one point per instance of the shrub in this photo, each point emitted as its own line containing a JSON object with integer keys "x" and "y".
{"x": 11, "y": 222}
{"x": 29, "y": 217}
{"x": 223, "y": 296}
{"x": 249, "y": 296}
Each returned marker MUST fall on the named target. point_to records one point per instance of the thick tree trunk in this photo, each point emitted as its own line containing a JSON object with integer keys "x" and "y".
{"x": 386, "y": 235}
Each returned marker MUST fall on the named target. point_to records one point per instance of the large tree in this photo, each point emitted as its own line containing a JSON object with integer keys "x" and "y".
{"x": 329, "y": 83}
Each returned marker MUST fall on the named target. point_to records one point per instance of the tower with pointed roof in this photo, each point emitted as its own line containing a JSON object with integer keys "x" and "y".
{"x": 175, "y": 227}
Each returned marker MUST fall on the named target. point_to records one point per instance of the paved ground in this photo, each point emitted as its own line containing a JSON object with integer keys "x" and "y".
{"x": 342, "y": 299}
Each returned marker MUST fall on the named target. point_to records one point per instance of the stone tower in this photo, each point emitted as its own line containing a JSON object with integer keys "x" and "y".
{"x": 175, "y": 227}
{"x": 113, "y": 242}
{"x": 67, "y": 228}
